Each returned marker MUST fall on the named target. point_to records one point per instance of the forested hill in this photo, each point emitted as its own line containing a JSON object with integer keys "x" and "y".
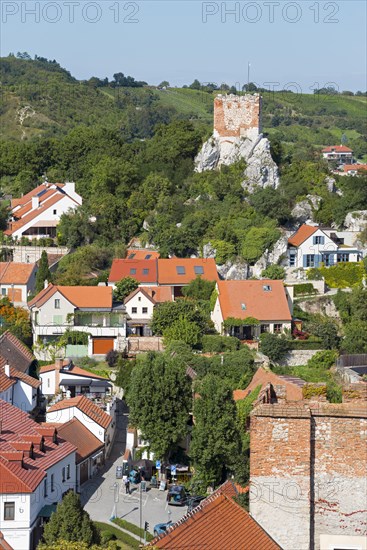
{"x": 40, "y": 98}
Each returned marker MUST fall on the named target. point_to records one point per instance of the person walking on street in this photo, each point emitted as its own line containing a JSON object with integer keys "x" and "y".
{"x": 127, "y": 486}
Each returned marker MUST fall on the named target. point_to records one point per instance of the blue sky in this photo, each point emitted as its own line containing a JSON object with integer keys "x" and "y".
{"x": 303, "y": 42}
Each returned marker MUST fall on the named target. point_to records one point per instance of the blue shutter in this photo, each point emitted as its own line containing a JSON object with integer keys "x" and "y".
{"x": 317, "y": 260}
{"x": 304, "y": 260}
{"x": 331, "y": 259}
{"x": 313, "y": 240}
{"x": 322, "y": 240}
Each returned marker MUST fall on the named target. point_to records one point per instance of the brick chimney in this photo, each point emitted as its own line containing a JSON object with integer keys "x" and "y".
{"x": 59, "y": 363}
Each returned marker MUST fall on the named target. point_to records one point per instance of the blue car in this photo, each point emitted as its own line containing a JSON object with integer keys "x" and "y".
{"x": 161, "y": 528}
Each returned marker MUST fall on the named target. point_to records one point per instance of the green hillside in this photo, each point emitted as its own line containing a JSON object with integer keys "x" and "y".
{"x": 40, "y": 98}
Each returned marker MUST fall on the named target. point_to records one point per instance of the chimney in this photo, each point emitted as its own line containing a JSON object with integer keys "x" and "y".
{"x": 59, "y": 363}
{"x": 35, "y": 203}
{"x": 45, "y": 284}
{"x": 7, "y": 370}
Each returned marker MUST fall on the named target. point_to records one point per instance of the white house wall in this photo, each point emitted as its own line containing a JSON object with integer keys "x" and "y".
{"x": 308, "y": 247}
{"x": 61, "y": 207}
{"x": 25, "y": 396}
{"x": 48, "y": 380}
{"x": 64, "y": 415}
{"x": 217, "y": 317}
{"x": 139, "y": 301}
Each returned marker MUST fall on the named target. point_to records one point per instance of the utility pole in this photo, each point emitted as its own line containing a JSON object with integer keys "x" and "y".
{"x": 141, "y": 513}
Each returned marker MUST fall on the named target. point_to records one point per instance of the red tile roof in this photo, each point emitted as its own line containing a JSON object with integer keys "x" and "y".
{"x": 141, "y": 254}
{"x": 13, "y": 352}
{"x": 190, "y": 268}
{"x": 87, "y": 407}
{"x": 357, "y": 167}
{"x": 144, "y": 271}
{"x": 77, "y": 434}
{"x": 6, "y": 382}
{"x": 337, "y": 149}
{"x": 293, "y": 385}
{"x": 15, "y": 273}
{"x": 3, "y": 544}
{"x": 302, "y": 234}
{"x": 73, "y": 370}
{"x": 160, "y": 293}
{"x": 241, "y": 299}
{"x": 18, "y": 432}
{"x": 218, "y": 523}
{"x": 79, "y": 296}
{"x": 141, "y": 290}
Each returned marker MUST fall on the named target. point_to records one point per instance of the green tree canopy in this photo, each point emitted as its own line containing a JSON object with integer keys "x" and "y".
{"x": 160, "y": 400}
{"x": 43, "y": 273}
{"x": 70, "y": 523}
{"x": 199, "y": 289}
{"x": 184, "y": 330}
{"x": 124, "y": 288}
{"x": 274, "y": 272}
{"x": 169, "y": 312}
{"x": 274, "y": 346}
{"x": 215, "y": 441}
{"x": 355, "y": 340}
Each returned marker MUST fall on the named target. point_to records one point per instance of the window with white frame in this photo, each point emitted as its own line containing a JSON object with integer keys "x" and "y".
{"x": 9, "y": 511}
{"x": 57, "y": 303}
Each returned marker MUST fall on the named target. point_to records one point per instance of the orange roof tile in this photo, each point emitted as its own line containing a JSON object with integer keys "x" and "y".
{"x": 302, "y": 234}
{"x": 160, "y": 293}
{"x": 3, "y": 544}
{"x": 144, "y": 271}
{"x": 79, "y": 296}
{"x": 29, "y": 380}
{"x": 87, "y": 407}
{"x": 293, "y": 385}
{"x": 337, "y": 149}
{"x": 141, "y": 254}
{"x": 18, "y": 476}
{"x": 77, "y": 434}
{"x": 141, "y": 290}
{"x": 357, "y": 167}
{"x": 241, "y": 299}
{"x": 218, "y": 523}
{"x": 175, "y": 271}
{"x": 73, "y": 370}
{"x": 15, "y": 273}
{"x": 14, "y": 226}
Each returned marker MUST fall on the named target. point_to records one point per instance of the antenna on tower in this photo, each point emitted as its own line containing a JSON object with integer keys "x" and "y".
{"x": 248, "y": 75}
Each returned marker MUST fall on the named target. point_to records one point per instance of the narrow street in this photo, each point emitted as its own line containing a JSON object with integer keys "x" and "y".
{"x": 98, "y": 494}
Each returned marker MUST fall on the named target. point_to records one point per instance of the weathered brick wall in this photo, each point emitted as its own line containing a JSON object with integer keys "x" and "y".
{"x": 280, "y": 478}
{"x": 340, "y": 479}
{"x": 235, "y": 115}
{"x": 308, "y": 470}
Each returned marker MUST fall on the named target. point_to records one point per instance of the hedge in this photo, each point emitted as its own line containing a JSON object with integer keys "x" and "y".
{"x": 132, "y": 528}
{"x": 218, "y": 344}
{"x": 304, "y": 345}
{"x": 120, "y": 535}
{"x": 304, "y": 288}
{"x": 342, "y": 275}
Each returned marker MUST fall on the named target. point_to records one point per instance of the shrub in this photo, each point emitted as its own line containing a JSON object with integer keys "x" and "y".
{"x": 184, "y": 330}
{"x": 106, "y": 536}
{"x": 322, "y": 360}
{"x": 334, "y": 392}
{"x": 111, "y": 358}
{"x": 274, "y": 272}
{"x": 304, "y": 288}
{"x": 311, "y": 390}
{"x": 305, "y": 344}
{"x": 275, "y": 347}
{"x": 343, "y": 274}
{"x": 217, "y": 344}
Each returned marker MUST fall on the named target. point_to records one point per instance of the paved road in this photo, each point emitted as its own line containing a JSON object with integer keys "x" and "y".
{"x": 98, "y": 495}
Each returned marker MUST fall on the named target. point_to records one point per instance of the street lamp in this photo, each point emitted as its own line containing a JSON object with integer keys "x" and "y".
{"x": 115, "y": 499}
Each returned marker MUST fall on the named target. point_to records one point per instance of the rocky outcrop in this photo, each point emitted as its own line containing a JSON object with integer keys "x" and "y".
{"x": 356, "y": 221}
{"x": 232, "y": 271}
{"x": 275, "y": 256}
{"x": 304, "y": 210}
{"x": 260, "y": 170}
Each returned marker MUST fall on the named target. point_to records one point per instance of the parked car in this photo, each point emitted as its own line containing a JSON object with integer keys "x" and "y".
{"x": 193, "y": 502}
{"x": 177, "y": 495}
{"x": 161, "y": 528}
{"x": 119, "y": 472}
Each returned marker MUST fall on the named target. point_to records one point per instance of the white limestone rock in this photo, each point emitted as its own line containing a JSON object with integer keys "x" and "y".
{"x": 254, "y": 149}
{"x": 304, "y": 210}
{"x": 356, "y": 221}
{"x": 233, "y": 271}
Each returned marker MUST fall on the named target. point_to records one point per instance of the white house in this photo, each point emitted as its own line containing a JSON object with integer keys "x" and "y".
{"x": 354, "y": 169}
{"x": 18, "y": 388}
{"x": 100, "y": 423}
{"x": 264, "y": 306}
{"x": 37, "y": 213}
{"x": 338, "y": 153}
{"x": 310, "y": 246}
{"x": 90, "y": 310}
{"x": 139, "y": 308}
{"x": 36, "y": 468}
{"x": 89, "y": 449}
{"x": 17, "y": 281}
{"x": 64, "y": 375}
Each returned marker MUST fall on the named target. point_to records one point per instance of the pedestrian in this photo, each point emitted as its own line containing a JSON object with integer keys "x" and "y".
{"x": 127, "y": 486}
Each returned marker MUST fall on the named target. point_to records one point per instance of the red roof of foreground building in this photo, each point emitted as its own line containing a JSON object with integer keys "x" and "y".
{"x": 77, "y": 371}
{"x": 264, "y": 300}
{"x": 176, "y": 271}
{"x": 87, "y": 407}
{"x": 3, "y": 544}
{"x": 337, "y": 149}
{"x": 144, "y": 271}
{"x": 302, "y": 234}
{"x": 218, "y": 523}
{"x": 76, "y": 433}
{"x": 19, "y": 434}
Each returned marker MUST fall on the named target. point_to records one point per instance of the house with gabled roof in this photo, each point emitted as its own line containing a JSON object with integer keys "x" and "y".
{"x": 89, "y": 449}
{"x": 17, "y": 281}
{"x": 312, "y": 245}
{"x": 14, "y": 353}
{"x": 38, "y": 213}
{"x": 263, "y": 306}
{"x": 217, "y": 523}
{"x": 72, "y": 380}
{"x": 18, "y": 388}
{"x": 37, "y": 467}
{"x": 274, "y": 388}
{"x": 140, "y": 305}
{"x": 92, "y": 310}
{"x": 100, "y": 423}
{"x": 340, "y": 154}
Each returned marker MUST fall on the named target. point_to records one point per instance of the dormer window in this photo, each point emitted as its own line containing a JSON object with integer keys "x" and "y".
{"x": 199, "y": 270}
{"x": 180, "y": 269}
{"x": 145, "y": 271}
{"x": 133, "y": 271}
{"x": 243, "y": 307}
{"x": 267, "y": 288}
